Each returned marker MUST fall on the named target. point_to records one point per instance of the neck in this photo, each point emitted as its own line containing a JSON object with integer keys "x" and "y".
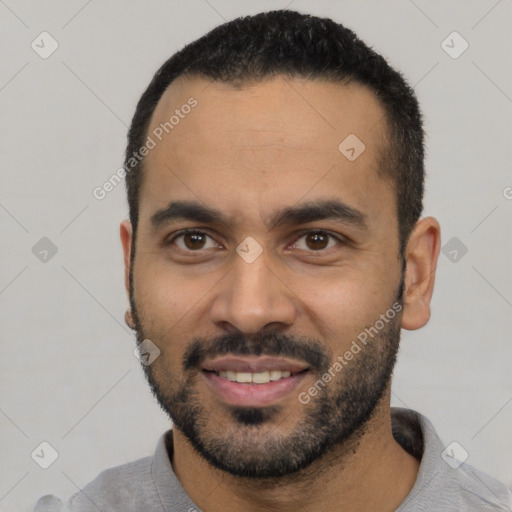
{"x": 369, "y": 471}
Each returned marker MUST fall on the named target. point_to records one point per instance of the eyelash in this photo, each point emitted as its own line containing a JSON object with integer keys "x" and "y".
{"x": 341, "y": 239}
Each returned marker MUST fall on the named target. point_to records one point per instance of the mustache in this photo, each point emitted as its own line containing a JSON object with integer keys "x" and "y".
{"x": 268, "y": 344}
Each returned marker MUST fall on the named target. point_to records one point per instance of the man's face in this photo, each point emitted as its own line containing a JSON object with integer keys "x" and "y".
{"x": 227, "y": 322}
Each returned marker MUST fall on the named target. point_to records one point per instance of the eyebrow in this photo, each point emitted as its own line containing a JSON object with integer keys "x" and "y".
{"x": 294, "y": 215}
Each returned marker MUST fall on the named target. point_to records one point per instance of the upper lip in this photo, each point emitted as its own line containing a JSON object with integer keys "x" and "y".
{"x": 253, "y": 365}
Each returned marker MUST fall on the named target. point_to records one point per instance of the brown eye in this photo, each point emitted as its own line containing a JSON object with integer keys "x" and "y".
{"x": 193, "y": 241}
{"x": 316, "y": 241}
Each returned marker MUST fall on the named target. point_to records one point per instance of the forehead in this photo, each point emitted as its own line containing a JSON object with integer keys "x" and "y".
{"x": 264, "y": 145}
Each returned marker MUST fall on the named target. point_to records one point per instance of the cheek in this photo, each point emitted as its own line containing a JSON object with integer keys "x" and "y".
{"x": 160, "y": 289}
{"x": 342, "y": 307}
{"x": 169, "y": 301}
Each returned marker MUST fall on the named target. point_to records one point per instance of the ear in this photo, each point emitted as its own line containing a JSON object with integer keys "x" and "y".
{"x": 421, "y": 256}
{"x": 126, "y": 232}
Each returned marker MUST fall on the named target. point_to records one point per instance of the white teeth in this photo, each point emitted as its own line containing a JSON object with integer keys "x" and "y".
{"x": 277, "y": 375}
{"x": 261, "y": 377}
{"x": 243, "y": 377}
{"x": 255, "y": 378}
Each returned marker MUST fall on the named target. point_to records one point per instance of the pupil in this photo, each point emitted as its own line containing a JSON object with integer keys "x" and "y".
{"x": 195, "y": 239}
{"x": 317, "y": 239}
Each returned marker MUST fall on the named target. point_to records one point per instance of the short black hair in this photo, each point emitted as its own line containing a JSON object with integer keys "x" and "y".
{"x": 254, "y": 48}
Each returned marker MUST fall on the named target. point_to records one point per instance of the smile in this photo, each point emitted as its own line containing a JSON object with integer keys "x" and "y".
{"x": 253, "y": 382}
{"x": 254, "y": 378}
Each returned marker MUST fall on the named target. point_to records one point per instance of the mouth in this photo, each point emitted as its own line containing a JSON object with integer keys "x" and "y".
{"x": 254, "y": 378}
{"x": 253, "y": 382}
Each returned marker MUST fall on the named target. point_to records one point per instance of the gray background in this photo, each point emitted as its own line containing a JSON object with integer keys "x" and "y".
{"x": 67, "y": 372}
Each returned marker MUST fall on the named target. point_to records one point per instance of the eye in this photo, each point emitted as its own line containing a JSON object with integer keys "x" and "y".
{"x": 316, "y": 241}
{"x": 192, "y": 240}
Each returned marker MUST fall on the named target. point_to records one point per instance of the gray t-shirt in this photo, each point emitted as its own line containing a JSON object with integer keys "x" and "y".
{"x": 150, "y": 485}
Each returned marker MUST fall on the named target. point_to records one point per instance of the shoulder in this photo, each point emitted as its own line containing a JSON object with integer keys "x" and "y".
{"x": 121, "y": 487}
{"x": 463, "y": 489}
{"x": 478, "y": 489}
{"x": 443, "y": 482}
{"x": 125, "y": 478}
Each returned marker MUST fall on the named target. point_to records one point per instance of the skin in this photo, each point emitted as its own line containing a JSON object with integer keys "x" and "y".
{"x": 249, "y": 152}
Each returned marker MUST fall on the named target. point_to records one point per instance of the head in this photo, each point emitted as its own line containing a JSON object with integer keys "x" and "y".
{"x": 293, "y": 154}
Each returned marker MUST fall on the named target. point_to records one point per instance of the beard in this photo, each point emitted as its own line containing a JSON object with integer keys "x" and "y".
{"x": 248, "y": 441}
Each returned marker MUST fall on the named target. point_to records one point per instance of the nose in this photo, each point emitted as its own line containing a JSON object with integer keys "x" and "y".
{"x": 252, "y": 297}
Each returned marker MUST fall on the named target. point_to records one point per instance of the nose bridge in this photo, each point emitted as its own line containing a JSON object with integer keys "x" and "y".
{"x": 252, "y": 297}
{"x": 252, "y": 281}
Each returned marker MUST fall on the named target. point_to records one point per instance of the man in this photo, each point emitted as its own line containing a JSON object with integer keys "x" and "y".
{"x": 274, "y": 251}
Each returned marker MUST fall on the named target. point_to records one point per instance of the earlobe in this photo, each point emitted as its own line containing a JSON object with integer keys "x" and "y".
{"x": 421, "y": 256}
{"x": 128, "y": 319}
{"x": 126, "y": 233}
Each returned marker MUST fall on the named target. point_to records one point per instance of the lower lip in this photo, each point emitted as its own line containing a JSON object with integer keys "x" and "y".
{"x": 253, "y": 395}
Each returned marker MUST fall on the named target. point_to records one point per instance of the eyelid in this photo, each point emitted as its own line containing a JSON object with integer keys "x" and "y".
{"x": 169, "y": 240}
{"x": 296, "y": 236}
{"x": 341, "y": 239}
